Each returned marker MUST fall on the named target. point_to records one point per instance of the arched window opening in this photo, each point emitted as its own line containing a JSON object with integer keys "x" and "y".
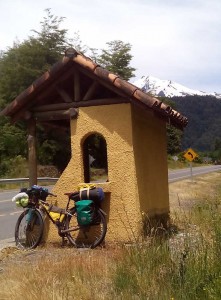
{"x": 95, "y": 159}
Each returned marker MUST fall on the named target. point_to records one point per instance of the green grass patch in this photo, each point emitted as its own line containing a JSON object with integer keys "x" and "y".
{"x": 180, "y": 266}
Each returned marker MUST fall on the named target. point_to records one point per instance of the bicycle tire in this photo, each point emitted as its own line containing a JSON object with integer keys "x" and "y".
{"x": 29, "y": 230}
{"x": 86, "y": 236}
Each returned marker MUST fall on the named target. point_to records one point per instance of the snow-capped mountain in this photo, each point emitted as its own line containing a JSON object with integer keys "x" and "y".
{"x": 168, "y": 88}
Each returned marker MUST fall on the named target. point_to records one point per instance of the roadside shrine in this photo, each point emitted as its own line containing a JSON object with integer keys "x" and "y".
{"x": 130, "y": 126}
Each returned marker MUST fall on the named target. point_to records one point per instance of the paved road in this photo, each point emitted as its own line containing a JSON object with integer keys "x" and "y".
{"x": 8, "y": 217}
{"x": 181, "y": 174}
{"x": 9, "y": 212}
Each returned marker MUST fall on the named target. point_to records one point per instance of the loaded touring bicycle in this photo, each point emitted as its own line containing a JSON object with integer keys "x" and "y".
{"x": 82, "y": 221}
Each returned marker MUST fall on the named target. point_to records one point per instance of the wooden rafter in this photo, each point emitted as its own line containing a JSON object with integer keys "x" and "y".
{"x": 58, "y": 82}
{"x": 90, "y": 92}
{"x": 103, "y": 82}
{"x": 64, "y": 95}
{"x": 43, "y": 95}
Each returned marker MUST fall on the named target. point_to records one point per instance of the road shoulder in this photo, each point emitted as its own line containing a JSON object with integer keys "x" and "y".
{"x": 7, "y": 243}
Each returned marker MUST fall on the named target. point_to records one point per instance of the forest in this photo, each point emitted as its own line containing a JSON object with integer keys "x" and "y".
{"x": 204, "y": 122}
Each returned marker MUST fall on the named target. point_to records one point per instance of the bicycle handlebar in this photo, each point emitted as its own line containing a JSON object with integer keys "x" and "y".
{"x": 37, "y": 191}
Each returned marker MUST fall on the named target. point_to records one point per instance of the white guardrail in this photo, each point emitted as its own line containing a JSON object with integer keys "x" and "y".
{"x": 22, "y": 180}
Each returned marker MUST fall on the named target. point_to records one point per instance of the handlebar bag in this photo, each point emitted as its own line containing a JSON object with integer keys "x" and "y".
{"x": 39, "y": 191}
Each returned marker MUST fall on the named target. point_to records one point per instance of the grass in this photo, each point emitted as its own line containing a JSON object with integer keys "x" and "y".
{"x": 173, "y": 165}
{"x": 183, "y": 264}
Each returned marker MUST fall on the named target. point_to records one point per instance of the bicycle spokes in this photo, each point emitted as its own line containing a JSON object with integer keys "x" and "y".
{"x": 86, "y": 235}
{"x": 29, "y": 229}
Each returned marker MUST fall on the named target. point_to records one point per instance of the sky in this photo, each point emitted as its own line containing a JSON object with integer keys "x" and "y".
{"x": 178, "y": 40}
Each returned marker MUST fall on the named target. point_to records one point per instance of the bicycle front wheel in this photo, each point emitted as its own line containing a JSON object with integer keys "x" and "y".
{"x": 29, "y": 229}
{"x": 86, "y": 236}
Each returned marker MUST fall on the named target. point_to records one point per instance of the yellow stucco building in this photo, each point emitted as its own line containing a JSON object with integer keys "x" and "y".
{"x": 90, "y": 100}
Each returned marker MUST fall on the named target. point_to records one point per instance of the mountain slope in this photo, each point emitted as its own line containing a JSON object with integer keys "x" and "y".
{"x": 202, "y": 109}
{"x": 204, "y": 121}
{"x": 168, "y": 88}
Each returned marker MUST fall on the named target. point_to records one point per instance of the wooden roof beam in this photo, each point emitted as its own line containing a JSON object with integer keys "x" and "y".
{"x": 104, "y": 101}
{"x": 56, "y": 83}
{"x": 64, "y": 95}
{"x": 103, "y": 82}
{"x": 90, "y": 92}
{"x": 53, "y": 107}
{"x": 61, "y": 107}
{"x": 92, "y": 102}
{"x": 56, "y": 115}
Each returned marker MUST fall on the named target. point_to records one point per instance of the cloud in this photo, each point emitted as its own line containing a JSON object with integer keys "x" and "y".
{"x": 171, "y": 39}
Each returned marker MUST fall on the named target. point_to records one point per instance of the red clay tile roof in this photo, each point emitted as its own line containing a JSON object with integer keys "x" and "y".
{"x": 125, "y": 89}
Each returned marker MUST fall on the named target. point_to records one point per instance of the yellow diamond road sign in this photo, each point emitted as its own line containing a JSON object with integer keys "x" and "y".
{"x": 190, "y": 155}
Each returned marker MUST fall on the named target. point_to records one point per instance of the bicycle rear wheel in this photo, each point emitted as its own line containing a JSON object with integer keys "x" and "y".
{"x": 29, "y": 229}
{"x": 86, "y": 236}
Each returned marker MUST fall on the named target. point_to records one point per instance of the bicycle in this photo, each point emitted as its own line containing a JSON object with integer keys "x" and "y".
{"x": 29, "y": 228}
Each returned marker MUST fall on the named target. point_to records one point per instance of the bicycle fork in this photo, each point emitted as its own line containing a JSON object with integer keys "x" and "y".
{"x": 29, "y": 218}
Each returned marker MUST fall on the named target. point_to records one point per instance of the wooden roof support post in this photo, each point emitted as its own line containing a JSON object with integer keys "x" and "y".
{"x": 32, "y": 158}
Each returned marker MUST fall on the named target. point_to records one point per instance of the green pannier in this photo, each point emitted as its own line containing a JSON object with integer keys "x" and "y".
{"x": 84, "y": 210}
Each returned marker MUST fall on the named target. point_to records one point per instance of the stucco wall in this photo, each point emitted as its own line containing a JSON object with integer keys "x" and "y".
{"x": 136, "y": 180}
{"x": 150, "y": 152}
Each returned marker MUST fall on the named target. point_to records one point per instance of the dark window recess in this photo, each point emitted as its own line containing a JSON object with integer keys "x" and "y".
{"x": 95, "y": 159}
